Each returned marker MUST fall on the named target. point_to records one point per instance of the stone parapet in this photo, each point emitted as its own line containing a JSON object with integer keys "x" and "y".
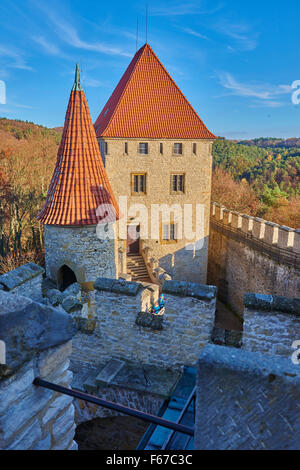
{"x": 25, "y": 280}
{"x": 284, "y": 238}
{"x": 271, "y": 324}
{"x": 38, "y": 343}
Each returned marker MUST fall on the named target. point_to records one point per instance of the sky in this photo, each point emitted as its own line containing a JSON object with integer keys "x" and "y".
{"x": 234, "y": 60}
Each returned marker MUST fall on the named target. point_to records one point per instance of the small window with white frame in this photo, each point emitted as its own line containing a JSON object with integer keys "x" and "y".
{"x": 177, "y": 183}
{"x": 138, "y": 183}
{"x": 177, "y": 149}
{"x": 169, "y": 233}
{"x": 143, "y": 148}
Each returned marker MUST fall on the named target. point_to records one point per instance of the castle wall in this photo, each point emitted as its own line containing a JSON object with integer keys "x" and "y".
{"x": 141, "y": 401}
{"x": 271, "y": 324}
{"x": 186, "y": 326}
{"x": 181, "y": 264}
{"x": 82, "y": 251}
{"x": 25, "y": 280}
{"x": 38, "y": 343}
{"x": 247, "y": 254}
{"x": 246, "y": 400}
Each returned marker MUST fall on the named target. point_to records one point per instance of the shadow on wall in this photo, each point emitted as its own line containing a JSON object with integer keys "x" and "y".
{"x": 189, "y": 263}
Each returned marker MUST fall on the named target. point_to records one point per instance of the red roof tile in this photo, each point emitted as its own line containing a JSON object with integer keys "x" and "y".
{"x": 79, "y": 183}
{"x": 147, "y": 103}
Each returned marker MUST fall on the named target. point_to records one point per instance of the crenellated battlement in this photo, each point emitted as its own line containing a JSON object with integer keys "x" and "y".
{"x": 267, "y": 234}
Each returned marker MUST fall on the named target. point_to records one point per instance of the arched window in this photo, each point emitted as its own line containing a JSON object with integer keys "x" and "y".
{"x": 66, "y": 277}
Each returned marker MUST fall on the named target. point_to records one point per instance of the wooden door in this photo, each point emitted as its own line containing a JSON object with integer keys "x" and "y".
{"x": 133, "y": 239}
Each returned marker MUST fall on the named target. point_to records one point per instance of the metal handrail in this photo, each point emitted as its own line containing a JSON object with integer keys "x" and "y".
{"x": 114, "y": 406}
{"x": 184, "y": 410}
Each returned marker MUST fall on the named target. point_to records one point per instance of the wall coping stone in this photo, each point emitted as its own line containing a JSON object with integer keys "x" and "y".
{"x": 18, "y": 276}
{"x": 190, "y": 289}
{"x": 118, "y": 286}
{"x": 271, "y": 367}
{"x": 271, "y": 303}
{"x": 27, "y": 327}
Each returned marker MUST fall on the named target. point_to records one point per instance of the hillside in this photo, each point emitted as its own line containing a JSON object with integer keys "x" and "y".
{"x": 27, "y": 159}
{"x": 267, "y": 177}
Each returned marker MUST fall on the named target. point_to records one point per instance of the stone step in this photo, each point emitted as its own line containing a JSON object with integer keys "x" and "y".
{"x": 109, "y": 371}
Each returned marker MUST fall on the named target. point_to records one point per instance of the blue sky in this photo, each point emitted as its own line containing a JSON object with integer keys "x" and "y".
{"x": 234, "y": 60}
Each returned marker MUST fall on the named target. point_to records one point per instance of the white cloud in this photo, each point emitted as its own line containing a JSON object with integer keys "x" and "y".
{"x": 17, "y": 62}
{"x": 182, "y": 9}
{"x": 195, "y": 33}
{"x": 69, "y": 35}
{"x": 50, "y": 48}
{"x": 244, "y": 39}
{"x": 264, "y": 93}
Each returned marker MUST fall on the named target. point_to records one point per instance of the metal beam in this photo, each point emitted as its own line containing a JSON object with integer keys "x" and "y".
{"x": 114, "y": 406}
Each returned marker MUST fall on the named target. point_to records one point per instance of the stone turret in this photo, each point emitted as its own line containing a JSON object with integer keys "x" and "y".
{"x": 80, "y": 211}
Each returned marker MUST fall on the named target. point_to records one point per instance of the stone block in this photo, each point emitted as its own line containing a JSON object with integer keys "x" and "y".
{"x": 20, "y": 275}
{"x": 271, "y": 233}
{"x": 62, "y": 425}
{"x": 70, "y": 304}
{"x": 236, "y": 220}
{"x": 56, "y": 407}
{"x": 27, "y": 327}
{"x": 258, "y": 230}
{"x": 27, "y": 437}
{"x": 285, "y": 237}
{"x": 54, "y": 296}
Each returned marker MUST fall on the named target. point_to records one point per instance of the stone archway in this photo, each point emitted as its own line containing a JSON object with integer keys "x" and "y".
{"x": 65, "y": 277}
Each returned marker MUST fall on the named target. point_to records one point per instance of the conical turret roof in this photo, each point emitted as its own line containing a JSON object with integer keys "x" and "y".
{"x": 79, "y": 184}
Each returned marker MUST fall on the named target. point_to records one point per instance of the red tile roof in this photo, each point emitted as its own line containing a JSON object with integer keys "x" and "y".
{"x": 147, "y": 103}
{"x": 79, "y": 184}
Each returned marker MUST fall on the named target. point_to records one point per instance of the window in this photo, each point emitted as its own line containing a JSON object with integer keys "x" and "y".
{"x": 177, "y": 149}
{"x": 126, "y": 148}
{"x": 177, "y": 183}
{"x": 169, "y": 232}
{"x": 161, "y": 148}
{"x": 138, "y": 183}
{"x": 105, "y": 148}
{"x": 143, "y": 148}
{"x": 194, "y": 149}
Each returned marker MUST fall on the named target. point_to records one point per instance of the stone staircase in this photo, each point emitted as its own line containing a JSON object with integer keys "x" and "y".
{"x": 136, "y": 268}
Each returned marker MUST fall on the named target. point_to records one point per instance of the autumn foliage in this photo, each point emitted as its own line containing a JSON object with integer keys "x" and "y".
{"x": 27, "y": 158}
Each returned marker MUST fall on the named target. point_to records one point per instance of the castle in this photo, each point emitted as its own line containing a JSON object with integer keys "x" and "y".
{"x": 157, "y": 153}
{"x": 84, "y": 323}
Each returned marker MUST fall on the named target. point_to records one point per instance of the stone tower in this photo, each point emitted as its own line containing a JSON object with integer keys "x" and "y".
{"x": 80, "y": 205}
{"x": 157, "y": 151}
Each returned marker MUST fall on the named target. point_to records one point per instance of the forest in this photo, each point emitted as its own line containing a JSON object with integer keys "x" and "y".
{"x": 258, "y": 177}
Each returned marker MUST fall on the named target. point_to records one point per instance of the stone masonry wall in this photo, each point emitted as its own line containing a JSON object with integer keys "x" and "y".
{"x": 181, "y": 264}
{"x": 247, "y": 254}
{"x": 25, "y": 280}
{"x": 246, "y": 401}
{"x": 81, "y": 250}
{"x": 186, "y": 326}
{"x": 141, "y": 401}
{"x": 37, "y": 344}
{"x": 271, "y": 324}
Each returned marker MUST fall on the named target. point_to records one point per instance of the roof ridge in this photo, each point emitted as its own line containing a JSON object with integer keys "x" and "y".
{"x": 174, "y": 83}
{"x": 125, "y": 87}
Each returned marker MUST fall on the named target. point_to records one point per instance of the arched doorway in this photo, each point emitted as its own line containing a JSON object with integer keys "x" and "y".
{"x": 65, "y": 277}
